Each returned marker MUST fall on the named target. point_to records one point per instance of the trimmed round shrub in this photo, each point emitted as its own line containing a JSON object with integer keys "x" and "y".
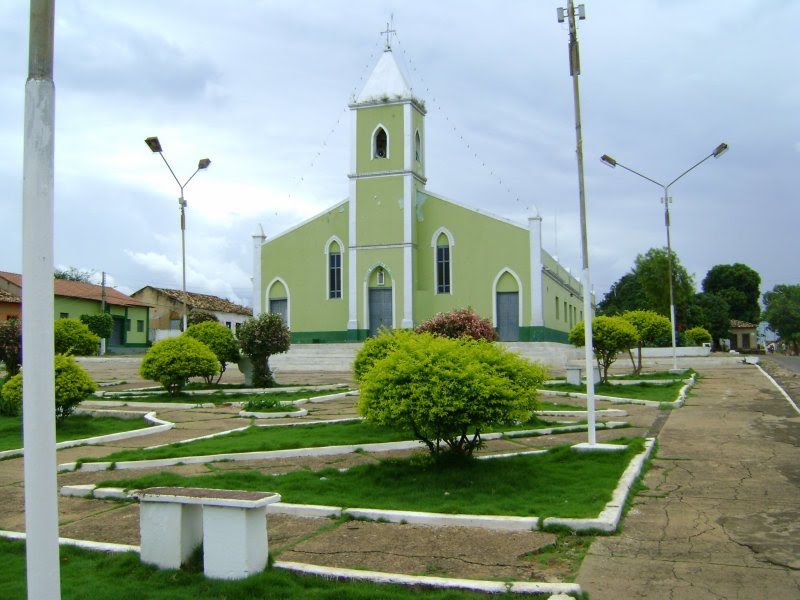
{"x": 650, "y": 327}
{"x": 376, "y": 348}
{"x": 697, "y": 336}
{"x": 463, "y": 322}
{"x": 610, "y": 336}
{"x": 447, "y": 391}
{"x": 220, "y": 340}
{"x": 73, "y": 337}
{"x": 173, "y": 361}
{"x": 101, "y": 325}
{"x": 11, "y": 345}
{"x": 260, "y": 338}
{"x": 72, "y": 385}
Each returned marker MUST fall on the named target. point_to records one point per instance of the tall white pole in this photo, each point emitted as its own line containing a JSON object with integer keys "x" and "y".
{"x": 669, "y": 274}
{"x": 183, "y": 255}
{"x": 38, "y": 405}
{"x": 575, "y": 70}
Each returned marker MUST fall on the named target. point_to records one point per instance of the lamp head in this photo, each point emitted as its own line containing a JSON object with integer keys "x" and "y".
{"x": 203, "y": 164}
{"x": 608, "y": 160}
{"x": 153, "y": 144}
{"x": 720, "y": 150}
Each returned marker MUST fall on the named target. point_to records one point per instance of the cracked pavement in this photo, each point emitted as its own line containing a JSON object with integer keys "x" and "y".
{"x": 721, "y": 514}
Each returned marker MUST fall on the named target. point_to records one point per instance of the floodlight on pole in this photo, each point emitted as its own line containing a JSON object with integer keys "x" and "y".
{"x": 155, "y": 146}
{"x": 611, "y": 162}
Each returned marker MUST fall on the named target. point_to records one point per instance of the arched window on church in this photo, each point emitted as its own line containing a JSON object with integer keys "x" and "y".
{"x": 417, "y": 147}
{"x": 442, "y": 264}
{"x": 381, "y": 143}
{"x": 334, "y": 271}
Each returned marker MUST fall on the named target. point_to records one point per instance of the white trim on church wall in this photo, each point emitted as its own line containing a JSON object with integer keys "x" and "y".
{"x": 288, "y": 299}
{"x": 450, "y": 242}
{"x": 537, "y": 295}
{"x": 353, "y": 138}
{"x": 408, "y": 251}
{"x": 494, "y": 294}
{"x": 366, "y": 293}
{"x": 352, "y": 298}
{"x": 326, "y": 253}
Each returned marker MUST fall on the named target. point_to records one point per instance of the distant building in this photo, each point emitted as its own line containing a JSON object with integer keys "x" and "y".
{"x": 394, "y": 254}
{"x": 167, "y": 312}
{"x": 74, "y": 298}
{"x": 10, "y": 306}
{"x": 743, "y": 335}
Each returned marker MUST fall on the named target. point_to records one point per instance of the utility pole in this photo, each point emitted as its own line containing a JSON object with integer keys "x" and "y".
{"x": 103, "y": 310}
{"x": 38, "y": 377}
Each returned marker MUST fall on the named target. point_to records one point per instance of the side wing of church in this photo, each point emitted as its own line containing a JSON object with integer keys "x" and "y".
{"x": 394, "y": 254}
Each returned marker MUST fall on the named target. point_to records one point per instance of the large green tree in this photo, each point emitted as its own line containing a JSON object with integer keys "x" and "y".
{"x": 711, "y": 312}
{"x": 782, "y": 312}
{"x": 626, "y": 294}
{"x": 651, "y": 270}
{"x": 739, "y": 285}
{"x": 73, "y": 274}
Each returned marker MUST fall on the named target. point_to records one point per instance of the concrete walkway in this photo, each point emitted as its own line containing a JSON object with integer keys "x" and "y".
{"x": 721, "y": 516}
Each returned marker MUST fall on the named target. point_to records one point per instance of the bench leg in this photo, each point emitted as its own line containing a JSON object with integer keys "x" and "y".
{"x": 234, "y": 541}
{"x": 169, "y": 533}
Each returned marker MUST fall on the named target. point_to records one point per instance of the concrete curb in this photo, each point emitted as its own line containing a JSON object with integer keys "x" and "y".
{"x": 780, "y": 389}
{"x": 519, "y": 587}
{"x": 603, "y": 412}
{"x": 609, "y": 517}
{"x": 494, "y": 522}
{"x": 146, "y": 405}
{"x": 85, "y": 544}
{"x": 152, "y": 391}
{"x": 274, "y": 415}
{"x": 677, "y": 403}
{"x": 159, "y": 427}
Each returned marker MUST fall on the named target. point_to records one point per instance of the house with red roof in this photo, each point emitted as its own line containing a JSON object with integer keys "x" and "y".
{"x": 75, "y": 298}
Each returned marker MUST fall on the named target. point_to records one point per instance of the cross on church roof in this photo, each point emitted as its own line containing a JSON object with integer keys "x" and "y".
{"x": 388, "y": 33}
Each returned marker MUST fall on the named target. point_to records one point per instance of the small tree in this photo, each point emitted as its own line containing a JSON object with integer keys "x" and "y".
{"x": 197, "y": 316}
{"x": 649, "y": 327}
{"x": 448, "y": 391}
{"x": 782, "y": 312}
{"x": 697, "y": 336}
{"x": 260, "y": 338}
{"x": 101, "y": 325}
{"x": 173, "y": 361}
{"x": 610, "y": 336}
{"x": 463, "y": 322}
{"x": 11, "y": 345}
{"x": 73, "y": 337}
{"x": 220, "y": 340}
{"x": 72, "y": 385}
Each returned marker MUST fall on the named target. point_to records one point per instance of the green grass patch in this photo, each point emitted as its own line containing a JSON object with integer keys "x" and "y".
{"x": 560, "y": 406}
{"x": 561, "y": 483}
{"x": 565, "y": 555}
{"x": 263, "y": 439}
{"x": 72, "y": 428}
{"x": 639, "y": 391}
{"x": 657, "y": 375}
{"x": 86, "y": 574}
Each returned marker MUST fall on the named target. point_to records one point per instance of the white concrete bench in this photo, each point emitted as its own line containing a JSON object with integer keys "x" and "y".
{"x": 575, "y": 373}
{"x": 231, "y": 524}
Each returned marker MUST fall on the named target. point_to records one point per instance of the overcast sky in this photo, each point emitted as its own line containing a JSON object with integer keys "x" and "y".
{"x": 261, "y": 88}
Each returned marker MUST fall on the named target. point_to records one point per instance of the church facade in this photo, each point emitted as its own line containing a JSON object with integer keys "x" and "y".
{"x": 394, "y": 254}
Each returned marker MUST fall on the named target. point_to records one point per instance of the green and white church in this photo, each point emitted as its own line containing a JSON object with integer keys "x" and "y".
{"x": 394, "y": 253}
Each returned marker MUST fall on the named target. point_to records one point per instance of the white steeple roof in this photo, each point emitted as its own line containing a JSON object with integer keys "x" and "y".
{"x": 386, "y": 81}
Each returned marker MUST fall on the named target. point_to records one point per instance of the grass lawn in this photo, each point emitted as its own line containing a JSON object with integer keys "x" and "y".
{"x": 561, "y": 483}
{"x": 105, "y": 576}
{"x": 220, "y": 398}
{"x": 73, "y": 428}
{"x": 261, "y": 439}
{"x": 657, "y": 375}
{"x": 560, "y": 406}
{"x": 641, "y": 391}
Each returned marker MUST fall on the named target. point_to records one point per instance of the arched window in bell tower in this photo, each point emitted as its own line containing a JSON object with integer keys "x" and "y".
{"x": 380, "y": 144}
{"x": 417, "y": 147}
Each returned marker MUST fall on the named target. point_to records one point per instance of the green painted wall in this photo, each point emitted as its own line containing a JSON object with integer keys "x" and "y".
{"x": 559, "y": 320}
{"x": 390, "y": 116}
{"x": 482, "y": 247}
{"x": 75, "y": 307}
{"x": 298, "y": 257}
{"x": 379, "y": 210}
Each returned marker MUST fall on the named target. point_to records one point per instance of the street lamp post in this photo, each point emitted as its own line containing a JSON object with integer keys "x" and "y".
{"x": 718, "y": 151}
{"x": 155, "y": 146}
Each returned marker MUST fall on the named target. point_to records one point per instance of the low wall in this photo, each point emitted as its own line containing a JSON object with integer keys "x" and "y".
{"x": 684, "y": 351}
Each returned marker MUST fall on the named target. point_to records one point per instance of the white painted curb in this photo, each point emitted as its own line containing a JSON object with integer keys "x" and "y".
{"x": 780, "y": 389}
{"x": 159, "y": 427}
{"x": 145, "y": 405}
{"x": 609, "y": 517}
{"x": 477, "y": 585}
{"x": 495, "y": 522}
{"x": 304, "y": 510}
{"x": 110, "y": 493}
{"x": 274, "y": 415}
{"x": 85, "y": 544}
{"x": 677, "y": 403}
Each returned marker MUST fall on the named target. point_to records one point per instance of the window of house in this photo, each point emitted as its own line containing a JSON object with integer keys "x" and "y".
{"x": 236, "y": 327}
{"x": 228, "y": 324}
{"x": 139, "y": 325}
{"x": 558, "y": 309}
{"x": 128, "y": 324}
{"x": 334, "y": 272}
{"x": 746, "y": 341}
{"x": 417, "y": 147}
{"x": 442, "y": 265}
{"x": 565, "y": 310}
{"x": 63, "y": 315}
{"x": 381, "y": 144}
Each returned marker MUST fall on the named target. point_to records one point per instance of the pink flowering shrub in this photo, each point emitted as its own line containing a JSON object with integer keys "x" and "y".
{"x": 458, "y": 324}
